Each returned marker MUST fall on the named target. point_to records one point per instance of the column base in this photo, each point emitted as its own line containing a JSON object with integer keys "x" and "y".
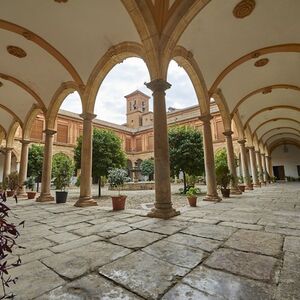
{"x": 212, "y": 198}
{"x": 235, "y": 191}
{"x": 257, "y": 185}
{"x": 249, "y": 187}
{"x": 85, "y": 202}
{"x": 45, "y": 198}
{"x": 163, "y": 213}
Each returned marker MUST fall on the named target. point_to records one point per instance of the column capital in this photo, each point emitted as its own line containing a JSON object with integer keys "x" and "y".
{"x": 257, "y": 151}
{"x": 25, "y": 142}
{"x": 262, "y": 154}
{"x": 158, "y": 85}
{"x": 250, "y": 147}
{"x": 228, "y": 133}
{"x": 8, "y": 149}
{"x": 88, "y": 116}
{"x": 242, "y": 142}
{"x": 49, "y": 131}
{"x": 205, "y": 118}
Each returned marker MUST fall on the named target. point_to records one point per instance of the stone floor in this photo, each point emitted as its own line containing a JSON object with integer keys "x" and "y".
{"x": 245, "y": 247}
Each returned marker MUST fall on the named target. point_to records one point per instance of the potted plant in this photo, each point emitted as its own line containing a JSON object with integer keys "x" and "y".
{"x": 12, "y": 178}
{"x": 223, "y": 178}
{"x": 241, "y": 184}
{"x": 116, "y": 178}
{"x": 192, "y": 196}
{"x": 62, "y": 171}
{"x": 29, "y": 183}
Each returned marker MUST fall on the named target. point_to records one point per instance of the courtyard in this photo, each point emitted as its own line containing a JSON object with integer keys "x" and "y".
{"x": 245, "y": 247}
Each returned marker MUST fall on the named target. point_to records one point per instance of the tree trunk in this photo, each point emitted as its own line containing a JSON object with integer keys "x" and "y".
{"x": 99, "y": 187}
{"x": 37, "y": 186}
{"x": 184, "y": 182}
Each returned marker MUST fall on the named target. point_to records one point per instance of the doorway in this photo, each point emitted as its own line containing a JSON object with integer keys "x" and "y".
{"x": 279, "y": 172}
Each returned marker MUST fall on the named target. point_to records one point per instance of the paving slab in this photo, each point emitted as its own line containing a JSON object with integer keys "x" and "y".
{"x": 75, "y": 244}
{"x": 227, "y": 286}
{"x": 182, "y": 291}
{"x": 61, "y": 238}
{"x": 76, "y": 262}
{"x": 194, "y": 241}
{"x": 92, "y": 287}
{"x": 70, "y": 227}
{"x": 251, "y": 265}
{"x": 241, "y": 225}
{"x": 95, "y": 229}
{"x": 136, "y": 239}
{"x": 150, "y": 277}
{"x": 256, "y": 241}
{"x": 34, "y": 279}
{"x": 166, "y": 227}
{"x": 210, "y": 231}
{"x": 180, "y": 255}
{"x": 292, "y": 244}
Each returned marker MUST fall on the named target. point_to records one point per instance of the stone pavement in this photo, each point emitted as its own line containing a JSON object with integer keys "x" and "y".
{"x": 245, "y": 247}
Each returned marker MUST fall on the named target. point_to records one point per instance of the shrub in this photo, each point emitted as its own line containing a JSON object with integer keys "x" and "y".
{"x": 62, "y": 170}
{"x": 117, "y": 177}
{"x": 13, "y": 180}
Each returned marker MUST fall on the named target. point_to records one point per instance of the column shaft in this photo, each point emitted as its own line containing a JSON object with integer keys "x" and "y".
{"x": 270, "y": 166}
{"x": 7, "y": 163}
{"x": 47, "y": 167}
{"x": 23, "y": 167}
{"x": 259, "y": 165}
{"x": 245, "y": 168}
{"x": 163, "y": 204}
{"x": 85, "y": 198}
{"x": 264, "y": 167}
{"x": 209, "y": 161}
{"x": 253, "y": 166}
{"x": 231, "y": 163}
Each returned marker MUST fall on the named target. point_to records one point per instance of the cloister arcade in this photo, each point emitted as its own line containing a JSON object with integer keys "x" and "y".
{"x": 244, "y": 54}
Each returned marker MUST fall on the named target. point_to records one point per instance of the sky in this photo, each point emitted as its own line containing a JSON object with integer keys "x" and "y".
{"x": 127, "y": 77}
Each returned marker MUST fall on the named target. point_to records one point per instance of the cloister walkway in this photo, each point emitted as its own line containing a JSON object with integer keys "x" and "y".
{"x": 246, "y": 247}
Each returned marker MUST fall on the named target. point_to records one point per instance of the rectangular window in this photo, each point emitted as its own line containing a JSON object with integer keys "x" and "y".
{"x": 128, "y": 145}
{"x": 139, "y": 144}
{"x": 62, "y": 133}
{"x": 37, "y": 130}
{"x": 150, "y": 142}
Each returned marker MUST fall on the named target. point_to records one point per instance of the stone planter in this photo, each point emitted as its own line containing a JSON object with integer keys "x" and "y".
{"x": 225, "y": 193}
{"x": 241, "y": 187}
{"x": 192, "y": 201}
{"x": 31, "y": 195}
{"x": 118, "y": 202}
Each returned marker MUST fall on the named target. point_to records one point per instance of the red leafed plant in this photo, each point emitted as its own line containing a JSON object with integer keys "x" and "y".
{"x": 8, "y": 235}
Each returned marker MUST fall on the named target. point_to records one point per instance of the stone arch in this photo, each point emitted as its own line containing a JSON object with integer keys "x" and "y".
{"x": 280, "y": 134}
{"x": 248, "y": 136}
{"x": 282, "y": 142}
{"x": 239, "y": 126}
{"x": 251, "y": 55}
{"x": 274, "y": 129}
{"x": 35, "y": 110}
{"x": 269, "y": 108}
{"x": 11, "y": 134}
{"x": 185, "y": 59}
{"x": 59, "y": 96}
{"x": 114, "y": 55}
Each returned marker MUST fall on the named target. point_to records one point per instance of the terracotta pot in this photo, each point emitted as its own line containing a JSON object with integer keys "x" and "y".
{"x": 192, "y": 201}
{"x": 9, "y": 193}
{"x": 31, "y": 195}
{"x": 118, "y": 202}
{"x": 225, "y": 193}
{"x": 241, "y": 187}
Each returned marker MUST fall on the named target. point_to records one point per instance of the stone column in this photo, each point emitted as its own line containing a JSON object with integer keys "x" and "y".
{"x": 163, "y": 205}
{"x": 7, "y": 162}
{"x": 231, "y": 163}
{"x": 253, "y": 166}
{"x": 23, "y": 168}
{"x": 259, "y": 165}
{"x": 270, "y": 165}
{"x": 47, "y": 167}
{"x": 209, "y": 161}
{"x": 85, "y": 198}
{"x": 264, "y": 167}
{"x": 245, "y": 169}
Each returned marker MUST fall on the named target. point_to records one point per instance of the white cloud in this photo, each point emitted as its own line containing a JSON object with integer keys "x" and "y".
{"x": 127, "y": 77}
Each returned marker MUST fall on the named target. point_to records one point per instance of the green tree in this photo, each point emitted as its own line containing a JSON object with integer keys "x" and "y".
{"x": 221, "y": 158}
{"x": 107, "y": 154}
{"x": 35, "y": 163}
{"x": 62, "y": 170}
{"x": 186, "y": 152}
{"x": 147, "y": 168}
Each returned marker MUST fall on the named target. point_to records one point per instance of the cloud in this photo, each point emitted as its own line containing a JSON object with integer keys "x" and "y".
{"x": 127, "y": 77}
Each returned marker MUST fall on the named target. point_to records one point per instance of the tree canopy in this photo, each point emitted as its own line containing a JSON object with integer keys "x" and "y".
{"x": 147, "y": 168}
{"x": 107, "y": 153}
{"x": 186, "y": 151}
{"x": 35, "y": 162}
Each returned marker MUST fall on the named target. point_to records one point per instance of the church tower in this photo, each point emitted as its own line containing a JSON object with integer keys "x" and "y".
{"x": 137, "y": 108}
